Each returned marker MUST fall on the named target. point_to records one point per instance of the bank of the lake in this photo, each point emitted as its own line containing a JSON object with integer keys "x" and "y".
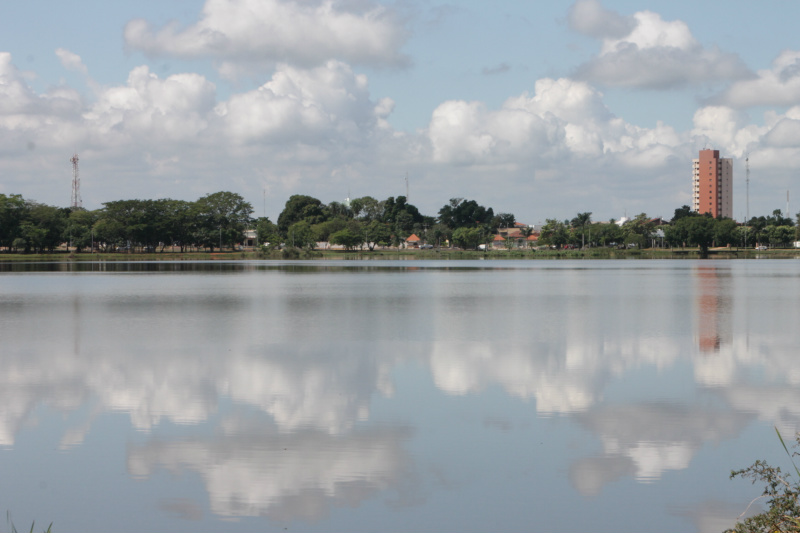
{"x": 410, "y": 254}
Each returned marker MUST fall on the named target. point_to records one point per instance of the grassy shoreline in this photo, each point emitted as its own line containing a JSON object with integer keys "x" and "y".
{"x": 442, "y": 254}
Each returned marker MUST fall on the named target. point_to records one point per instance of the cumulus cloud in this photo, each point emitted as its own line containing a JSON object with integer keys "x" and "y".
{"x": 726, "y": 128}
{"x": 591, "y": 18}
{"x": 301, "y": 124}
{"x": 16, "y": 97}
{"x": 242, "y": 35}
{"x": 562, "y": 118}
{"x": 645, "y": 51}
{"x": 778, "y": 86}
{"x": 175, "y": 108}
{"x": 308, "y": 105}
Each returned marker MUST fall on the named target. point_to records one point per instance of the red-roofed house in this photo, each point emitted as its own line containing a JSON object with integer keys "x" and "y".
{"x": 498, "y": 242}
{"x": 412, "y": 241}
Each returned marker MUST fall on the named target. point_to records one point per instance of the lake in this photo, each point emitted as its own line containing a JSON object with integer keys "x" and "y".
{"x": 472, "y": 396}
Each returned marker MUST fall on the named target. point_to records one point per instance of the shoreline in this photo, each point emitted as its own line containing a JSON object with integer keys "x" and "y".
{"x": 445, "y": 254}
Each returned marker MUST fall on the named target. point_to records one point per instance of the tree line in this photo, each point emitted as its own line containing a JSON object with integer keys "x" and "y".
{"x": 219, "y": 220}
{"x": 686, "y": 228}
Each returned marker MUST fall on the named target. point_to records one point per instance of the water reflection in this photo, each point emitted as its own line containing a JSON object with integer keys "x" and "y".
{"x": 644, "y": 440}
{"x": 279, "y": 387}
{"x": 713, "y": 308}
{"x": 251, "y": 469}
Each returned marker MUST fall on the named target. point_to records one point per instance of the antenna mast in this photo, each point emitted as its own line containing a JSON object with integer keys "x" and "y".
{"x": 747, "y": 212}
{"x": 407, "y": 201}
{"x": 76, "y": 202}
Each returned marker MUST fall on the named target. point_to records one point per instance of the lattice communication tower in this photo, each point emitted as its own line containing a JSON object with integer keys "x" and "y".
{"x": 76, "y": 202}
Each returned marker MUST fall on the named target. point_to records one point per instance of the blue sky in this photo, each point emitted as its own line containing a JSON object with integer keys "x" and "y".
{"x": 543, "y": 109}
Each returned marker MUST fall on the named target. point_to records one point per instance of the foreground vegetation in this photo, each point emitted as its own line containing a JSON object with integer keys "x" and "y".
{"x": 781, "y": 493}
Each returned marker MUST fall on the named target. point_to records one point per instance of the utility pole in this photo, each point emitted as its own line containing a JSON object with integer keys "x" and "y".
{"x": 76, "y": 202}
{"x": 747, "y": 204}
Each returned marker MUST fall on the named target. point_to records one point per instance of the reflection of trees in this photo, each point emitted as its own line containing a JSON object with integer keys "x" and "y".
{"x": 253, "y": 470}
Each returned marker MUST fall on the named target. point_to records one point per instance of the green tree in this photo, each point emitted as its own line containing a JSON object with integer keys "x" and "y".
{"x": 403, "y": 224}
{"x": 779, "y": 236}
{"x": 554, "y": 233}
{"x": 638, "y": 231}
{"x": 79, "y": 228}
{"x": 725, "y": 232}
{"x": 376, "y": 233}
{"x": 503, "y": 220}
{"x": 338, "y": 209}
{"x": 579, "y": 222}
{"x": 13, "y": 210}
{"x": 468, "y": 238}
{"x": 683, "y": 211}
{"x": 367, "y": 208}
{"x": 48, "y": 224}
{"x": 777, "y": 219}
{"x": 300, "y": 207}
{"x": 324, "y": 230}
{"x": 440, "y": 233}
{"x": 266, "y": 232}
{"x": 300, "y": 235}
{"x": 226, "y": 213}
{"x": 176, "y": 222}
{"x": 460, "y": 213}
{"x": 698, "y": 231}
{"x": 347, "y": 238}
{"x": 607, "y": 233}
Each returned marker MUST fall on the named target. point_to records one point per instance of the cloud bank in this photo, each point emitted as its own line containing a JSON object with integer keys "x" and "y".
{"x": 645, "y": 51}
{"x": 250, "y": 35}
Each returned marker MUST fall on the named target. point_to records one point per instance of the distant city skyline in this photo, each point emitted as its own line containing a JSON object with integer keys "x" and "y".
{"x": 541, "y": 110}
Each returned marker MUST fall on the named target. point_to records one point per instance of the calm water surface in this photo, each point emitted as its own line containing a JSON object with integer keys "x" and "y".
{"x": 558, "y": 396}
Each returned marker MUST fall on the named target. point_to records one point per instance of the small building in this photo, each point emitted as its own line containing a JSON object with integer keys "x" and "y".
{"x": 250, "y": 238}
{"x": 498, "y": 242}
{"x": 413, "y": 241}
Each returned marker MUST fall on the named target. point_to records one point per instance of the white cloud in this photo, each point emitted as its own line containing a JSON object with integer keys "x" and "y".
{"x": 305, "y": 105}
{"x": 725, "y": 129}
{"x": 15, "y": 95}
{"x": 778, "y": 86}
{"x": 653, "y": 54}
{"x": 175, "y": 108}
{"x": 247, "y": 35}
{"x": 563, "y": 118}
{"x": 589, "y": 17}
{"x": 71, "y": 61}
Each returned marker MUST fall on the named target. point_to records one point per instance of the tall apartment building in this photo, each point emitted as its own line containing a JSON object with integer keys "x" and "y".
{"x": 712, "y": 184}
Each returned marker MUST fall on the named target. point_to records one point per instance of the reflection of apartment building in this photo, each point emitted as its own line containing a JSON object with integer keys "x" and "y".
{"x": 712, "y": 184}
{"x": 714, "y": 303}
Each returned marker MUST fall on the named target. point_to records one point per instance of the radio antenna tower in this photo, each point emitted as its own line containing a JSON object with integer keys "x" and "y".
{"x": 747, "y": 212}
{"x": 76, "y": 202}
